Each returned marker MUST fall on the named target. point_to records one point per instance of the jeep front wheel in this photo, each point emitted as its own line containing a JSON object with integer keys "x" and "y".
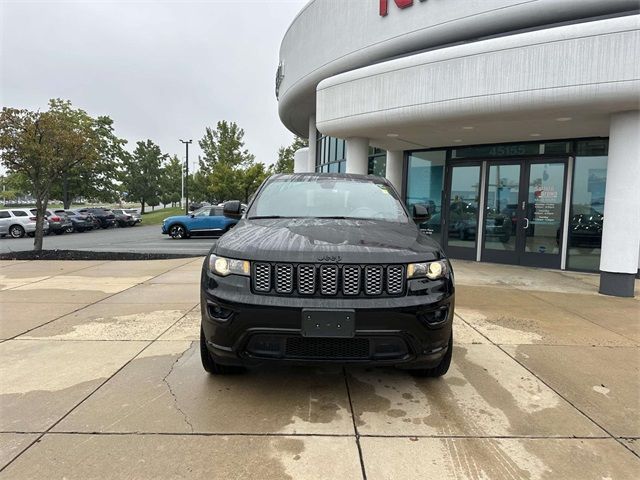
{"x": 440, "y": 369}
{"x": 210, "y": 365}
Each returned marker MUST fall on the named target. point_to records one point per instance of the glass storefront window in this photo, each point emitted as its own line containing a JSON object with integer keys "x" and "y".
{"x": 425, "y": 180}
{"x": 545, "y": 197}
{"x": 377, "y": 162}
{"x": 587, "y": 205}
{"x": 330, "y": 154}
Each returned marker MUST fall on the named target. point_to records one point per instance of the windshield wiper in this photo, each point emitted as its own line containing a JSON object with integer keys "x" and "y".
{"x": 263, "y": 217}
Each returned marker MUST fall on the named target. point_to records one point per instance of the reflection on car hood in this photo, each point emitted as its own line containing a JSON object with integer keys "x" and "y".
{"x": 317, "y": 240}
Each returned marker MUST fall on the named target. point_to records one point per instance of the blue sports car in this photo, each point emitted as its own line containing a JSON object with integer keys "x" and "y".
{"x": 206, "y": 221}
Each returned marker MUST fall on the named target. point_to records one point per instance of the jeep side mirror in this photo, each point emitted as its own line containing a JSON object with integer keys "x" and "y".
{"x": 192, "y": 215}
{"x": 232, "y": 209}
{"x": 421, "y": 213}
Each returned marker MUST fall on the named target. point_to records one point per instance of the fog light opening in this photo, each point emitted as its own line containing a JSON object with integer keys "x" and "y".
{"x": 436, "y": 317}
{"x": 218, "y": 312}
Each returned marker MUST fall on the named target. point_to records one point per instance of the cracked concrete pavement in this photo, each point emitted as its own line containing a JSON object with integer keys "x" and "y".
{"x": 101, "y": 378}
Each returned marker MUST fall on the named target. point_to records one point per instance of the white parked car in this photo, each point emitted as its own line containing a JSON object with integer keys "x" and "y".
{"x": 18, "y": 222}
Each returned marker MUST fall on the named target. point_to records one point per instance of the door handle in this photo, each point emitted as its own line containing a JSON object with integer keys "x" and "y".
{"x": 527, "y": 225}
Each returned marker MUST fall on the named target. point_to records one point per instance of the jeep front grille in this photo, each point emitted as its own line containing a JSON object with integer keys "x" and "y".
{"x": 306, "y": 279}
{"x": 284, "y": 278}
{"x": 395, "y": 279}
{"x": 351, "y": 279}
{"x": 373, "y": 280}
{"x": 329, "y": 279}
{"x": 262, "y": 277}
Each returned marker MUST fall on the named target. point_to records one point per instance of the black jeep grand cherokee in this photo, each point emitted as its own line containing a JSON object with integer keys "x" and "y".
{"x": 327, "y": 268}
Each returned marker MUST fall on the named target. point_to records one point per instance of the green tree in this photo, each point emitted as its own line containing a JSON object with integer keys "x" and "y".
{"x": 199, "y": 187}
{"x": 43, "y": 145}
{"x": 96, "y": 180}
{"x": 171, "y": 182}
{"x": 251, "y": 178}
{"x": 14, "y": 185}
{"x": 225, "y": 161}
{"x": 284, "y": 164}
{"x": 224, "y": 145}
{"x": 143, "y": 173}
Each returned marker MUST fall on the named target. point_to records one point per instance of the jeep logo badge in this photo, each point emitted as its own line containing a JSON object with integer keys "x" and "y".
{"x": 329, "y": 258}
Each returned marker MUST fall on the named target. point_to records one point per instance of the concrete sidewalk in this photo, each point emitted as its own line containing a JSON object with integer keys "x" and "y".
{"x": 100, "y": 377}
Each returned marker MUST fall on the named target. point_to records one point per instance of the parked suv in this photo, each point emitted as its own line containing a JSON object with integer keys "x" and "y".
{"x": 18, "y": 222}
{"x": 327, "y": 268}
{"x": 79, "y": 222}
{"x": 104, "y": 217}
{"x": 123, "y": 218}
{"x": 59, "y": 223}
{"x": 135, "y": 215}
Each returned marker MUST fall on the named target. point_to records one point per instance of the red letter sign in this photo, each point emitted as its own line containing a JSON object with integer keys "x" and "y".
{"x": 384, "y": 5}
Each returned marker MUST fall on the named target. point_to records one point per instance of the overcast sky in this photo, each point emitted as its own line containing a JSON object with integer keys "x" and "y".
{"x": 162, "y": 70}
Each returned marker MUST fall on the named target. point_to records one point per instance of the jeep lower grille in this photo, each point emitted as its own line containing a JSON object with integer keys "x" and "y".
{"x": 328, "y": 280}
{"x": 327, "y": 348}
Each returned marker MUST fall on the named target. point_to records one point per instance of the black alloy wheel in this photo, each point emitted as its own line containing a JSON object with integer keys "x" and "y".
{"x": 178, "y": 232}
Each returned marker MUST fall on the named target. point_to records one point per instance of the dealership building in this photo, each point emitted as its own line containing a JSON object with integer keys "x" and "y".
{"x": 516, "y": 121}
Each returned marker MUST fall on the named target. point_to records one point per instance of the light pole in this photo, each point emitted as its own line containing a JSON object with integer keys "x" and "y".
{"x": 186, "y": 178}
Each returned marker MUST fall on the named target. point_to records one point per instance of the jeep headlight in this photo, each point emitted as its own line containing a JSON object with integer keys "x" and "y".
{"x": 431, "y": 270}
{"x": 226, "y": 266}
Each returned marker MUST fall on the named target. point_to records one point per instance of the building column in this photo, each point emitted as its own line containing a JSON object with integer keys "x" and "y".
{"x": 621, "y": 228}
{"x": 301, "y": 160}
{"x": 357, "y": 153}
{"x": 313, "y": 144}
{"x": 395, "y": 159}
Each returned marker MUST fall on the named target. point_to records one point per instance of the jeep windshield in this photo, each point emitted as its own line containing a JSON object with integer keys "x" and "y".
{"x": 327, "y": 197}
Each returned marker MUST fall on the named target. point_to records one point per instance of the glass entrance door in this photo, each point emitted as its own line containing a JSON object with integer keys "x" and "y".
{"x": 501, "y": 216}
{"x": 524, "y": 212}
{"x": 543, "y": 214}
{"x": 462, "y": 207}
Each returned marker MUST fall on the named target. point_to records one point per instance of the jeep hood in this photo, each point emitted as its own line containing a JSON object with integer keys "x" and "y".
{"x": 312, "y": 240}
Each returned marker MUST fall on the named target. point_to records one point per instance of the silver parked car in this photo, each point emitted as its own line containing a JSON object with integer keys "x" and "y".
{"x": 135, "y": 214}
{"x": 18, "y": 222}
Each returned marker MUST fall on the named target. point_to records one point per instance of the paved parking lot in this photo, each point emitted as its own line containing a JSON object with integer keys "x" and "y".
{"x": 138, "y": 239}
{"x": 100, "y": 377}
